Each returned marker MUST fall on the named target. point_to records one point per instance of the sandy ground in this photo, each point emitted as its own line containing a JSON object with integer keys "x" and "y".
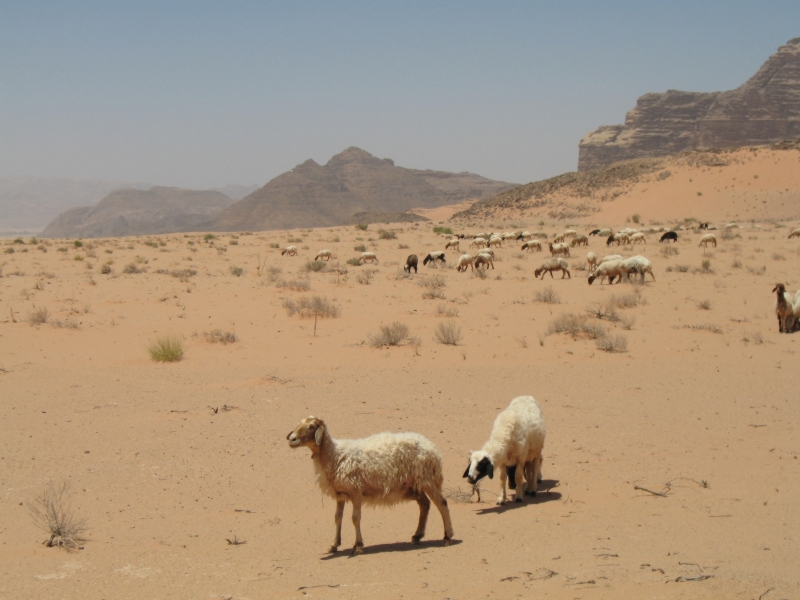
{"x": 700, "y": 408}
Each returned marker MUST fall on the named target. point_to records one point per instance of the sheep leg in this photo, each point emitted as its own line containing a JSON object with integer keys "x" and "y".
{"x": 424, "y": 509}
{"x": 338, "y": 519}
{"x": 502, "y": 498}
{"x": 359, "y": 546}
{"x": 441, "y": 504}
{"x": 519, "y": 478}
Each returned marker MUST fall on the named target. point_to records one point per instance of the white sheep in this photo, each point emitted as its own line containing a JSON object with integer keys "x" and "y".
{"x": 478, "y": 242}
{"x": 433, "y": 257}
{"x": 532, "y": 245}
{"x": 487, "y": 260}
{"x": 731, "y": 226}
{"x": 495, "y": 241}
{"x": 638, "y": 264}
{"x": 610, "y": 257}
{"x": 559, "y": 238}
{"x": 515, "y": 445}
{"x": 570, "y": 233}
{"x": 638, "y": 237}
{"x": 706, "y": 239}
{"x": 326, "y": 254}
{"x": 368, "y": 256}
{"x": 609, "y": 269}
{"x": 553, "y": 264}
{"x": 290, "y": 250}
{"x": 795, "y": 233}
{"x": 452, "y": 244}
{"x": 604, "y": 232}
{"x": 591, "y": 258}
{"x": 382, "y": 469}
{"x": 579, "y": 240}
{"x": 464, "y": 261}
{"x": 560, "y": 248}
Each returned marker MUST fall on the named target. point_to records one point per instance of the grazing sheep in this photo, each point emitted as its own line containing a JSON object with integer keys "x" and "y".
{"x": 433, "y": 257}
{"x": 594, "y": 232}
{"x": 591, "y": 258}
{"x": 558, "y": 239}
{"x": 707, "y": 239}
{"x": 669, "y": 236}
{"x": 604, "y": 232}
{"x": 610, "y": 269}
{"x": 326, "y": 254}
{"x": 368, "y": 256}
{"x": 524, "y": 235}
{"x": 553, "y": 264}
{"x": 784, "y": 309}
{"x": 638, "y": 237}
{"x": 382, "y": 469}
{"x": 638, "y": 264}
{"x": 570, "y": 233}
{"x": 540, "y": 234}
{"x": 795, "y": 233}
{"x": 703, "y": 226}
{"x": 495, "y": 241}
{"x": 290, "y": 250}
{"x": 452, "y": 244}
{"x": 579, "y": 240}
{"x": 411, "y": 263}
{"x": 484, "y": 259}
{"x": 609, "y": 257}
{"x": 478, "y": 242}
{"x": 464, "y": 261}
{"x": 516, "y": 441}
{"x": 618, "y": 238}
{"x": 731, "y": 226}
{"x": 532, "y": 245}
{"x": 561, "y": 248}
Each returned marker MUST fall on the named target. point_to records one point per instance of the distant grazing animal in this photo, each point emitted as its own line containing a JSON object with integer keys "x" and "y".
{"x": 591, "y": 258}
{"x": 579, "y": 240}
{"x": 381, "y": 469}
{"x": 594, "y": 232}
{"x": 795, "y": 233}
{"x": 553, "y": 264}
{"x": 434, "y": 256}
{"x": 708, "y": 238}
{"x": 485, "y": 260}
{"x": 570, "y": 233}
{"x": 516, "y": 441}
{"x": 669, "y": 236}
{"x": 411, "y": 263}
{"x": 464, "y": 261}
{"x": 495, "y": 241}
{"x": 478, "y": 242}
{"x": 524, "y": 235}
{"x": 703, "y": 226}
{"x": 561, "y": 248}
{"x": 290, "y": 250}
{"x": 326, "y": 254}
{"x": 610, "y": 269}
{"x": 558, "y": 238}
{"x": 368, "y": 257}
{"x": 638, "y": 264}
{"x": 452, "y": 244}
{"x": 638, "y": 237}
{"x": 532, "y": 245}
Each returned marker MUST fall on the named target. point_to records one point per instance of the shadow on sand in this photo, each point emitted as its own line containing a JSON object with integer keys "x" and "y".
{"x": 545, "y": 494}
{"x": 394, "y": 547}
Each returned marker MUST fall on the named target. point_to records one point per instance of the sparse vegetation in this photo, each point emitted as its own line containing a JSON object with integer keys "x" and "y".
{"x": 603, "y": 310}
{"x": 355, "y": 261}
{"x": 218, "y": 336}
{"x": 439, "y": 230}
{"x": 704, "y": 305}
{"x": 52, "y": 511}
{"x": 168, "y": 348}
{"x": 575, "y": 325}
{"x": 236, "y": 271}
{"x": 365, "y": 277}
{"x": 433, "y": 287}
{"x": 105, "y": 270}
{"x": 132, "y": 269}
{"x": 315, "y": 266}
{"x": 298, "y": 285}
{"x": 448, "y": 333}
{"x": 360, "y": 248}
{"x": 391, "y": 335}
{"x": 667, "y": 251}
{"x": 612, "y": 343}
{"x": 386, "y": 234}
{"x": 362, "y": 226}
{"x": 705, "y": 327}
{"x": 446, "y": 311}
{"x": 548, "y": 295}
{"x": 39, "y": 316}
{"x": 317, "y": 306}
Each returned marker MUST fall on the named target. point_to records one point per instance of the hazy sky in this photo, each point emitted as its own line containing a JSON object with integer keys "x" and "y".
{"x": 202, "y": 94}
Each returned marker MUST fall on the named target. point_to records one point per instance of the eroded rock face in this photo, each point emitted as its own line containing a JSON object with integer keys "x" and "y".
{"x": 764, "y": 109}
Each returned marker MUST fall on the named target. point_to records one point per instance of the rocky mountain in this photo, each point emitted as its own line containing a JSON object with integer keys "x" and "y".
{"x": 764, "y": 109}
{"x": 353, "y": 181}
{"x": 140, "y": 212}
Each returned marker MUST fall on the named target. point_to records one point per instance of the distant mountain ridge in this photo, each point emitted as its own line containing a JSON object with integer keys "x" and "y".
{"x": 765, "y": 109}
{"x": 353, "y": 181}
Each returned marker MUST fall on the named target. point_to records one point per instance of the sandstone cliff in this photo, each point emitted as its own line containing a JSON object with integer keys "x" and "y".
{"x": 764, "y": 109}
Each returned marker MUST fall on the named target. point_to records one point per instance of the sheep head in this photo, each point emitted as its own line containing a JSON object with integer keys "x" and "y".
{"x": 780, "y": 288}
{"x": 480, "y": 465}
{"x": 309, "y": 432}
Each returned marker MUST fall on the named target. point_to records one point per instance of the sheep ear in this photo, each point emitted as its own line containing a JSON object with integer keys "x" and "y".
{"x": 490, "y": 470}
{"x": 466, "y": 473}
{"x": 318, "y": 434}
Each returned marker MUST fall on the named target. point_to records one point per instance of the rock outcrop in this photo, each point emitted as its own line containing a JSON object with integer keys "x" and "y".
{"x": 764, "y": 109}
{"x": 353, "y": 181}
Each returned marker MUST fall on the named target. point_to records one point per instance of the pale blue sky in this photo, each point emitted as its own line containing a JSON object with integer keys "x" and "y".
{"x": 202, "y": 94}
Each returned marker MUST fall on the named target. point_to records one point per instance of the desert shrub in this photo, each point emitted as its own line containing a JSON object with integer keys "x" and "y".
{"x": 710, "y": 327}
{"x": 9, "y": 251}
{"x": 355, "y": 262}
{"x": 298, "y": 285}
{"x": 438, "y": 230}
{"x": 575, "y": 325}
{"x": 65, "y": 324}
{"x": 183, "y": 274}
{"x": 77, "y": 257}
{"x": 433, "y": 287}
{"x": 480, "y": 273}
{"x": 390, "y": 335}
{"x": 366, "y": 276}
{"x": 272, "y": 272}
{"x": 223, "y": 337}
{"x": 168, "y": 348}
{"x": 209, "y": 236}
{"x": 132, "y": 269}
{"x": 316, "y": 266}
{"x": 402, "y": 246}
{"x": 627, "y": 300}
{"x": 77, "y": 243}
{"x": 682, "y": 268}
{"x": 627, "y": 321}
{"x": 636, "y": 218}
{"x": 612, "y": 343}
{"x": 316, "y": 306}
{"x": 603, "y": 310}
{"x": 387, "y": 235}
{"x": 39, "y": 316}
{"x": 236, "y": 271}
{"x": 52, "y": 511}
{"x": 448, "y": 333}
{"x": 705, "y": 266}
{"x": 362, "y": 226}
{"x": 360, "y": 248}
{"x": 736, "y": 264}
{"x": 776, "y": 256}
{"x": 446, "y": 311}
{"x": 548, "y": 295}
{"x": 704, "y": 305}
{"x": 18, "y": 241}
{"x": 433, "y": 293}
{"x": 667, "y": 251}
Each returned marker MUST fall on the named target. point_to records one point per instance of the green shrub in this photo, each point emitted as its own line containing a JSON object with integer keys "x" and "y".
{"x": 360, "y": 248}
{"x": 439, "y": 230}
{"x": 387, "y": 235}
{"x": 77, "y": 243}
{"x": 362, "y": 226}
{"x": 168, "y": 348}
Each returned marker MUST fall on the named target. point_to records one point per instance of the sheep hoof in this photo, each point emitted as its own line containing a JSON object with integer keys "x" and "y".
{"x": 500, "y": 502}
{"x": 415, "y": 539}
{"x": 357, "y": 550}
{"x": 518, "y": 499}
{"x": 333, "y": 549}
{"x": 448, "y": 541}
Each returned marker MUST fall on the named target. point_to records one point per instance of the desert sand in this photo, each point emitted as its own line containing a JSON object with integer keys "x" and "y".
{"x": 168, "y": 460}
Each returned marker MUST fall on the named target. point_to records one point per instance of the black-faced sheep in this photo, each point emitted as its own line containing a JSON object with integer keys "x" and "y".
{"x": 382, "y": 469}
{"x": 670, "y": 236}
{"x": 533, "y": 245}
{"x": 517, "y": 440}
{"x": 411, "y": 263}
{"x": 452, "y": 244}
{"x": 485, "y": 260}
{"x": 795, "y": 233}
{"x": 594, "y": 232}
{"x": 433, "y": 257}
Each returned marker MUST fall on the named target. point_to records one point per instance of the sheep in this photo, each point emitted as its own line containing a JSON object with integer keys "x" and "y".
{"x": 464, "y": 261}
{"x": 478, "y": 242}
{"x": 604, "y": 232}
{"x": 638, "y": 264}
{"x": 452, "y": 244}
{"x": 411, "y": 263}
{"x": 560, "y": 248}
{"x": 638, "y": 237}
{"x": 558, "y": 238}
{"x": 731, "y": 226}
{"x": 326, "y": 254}
{"x": 516, "y": 442}
{"x": 540, "y": 235}
{"x": 707, "y": 239}
{"x": 570, "y": 233}
{"x": 609, "y": 257}
{"x": 433, "y": 257}
{"x": 579, "y": 240}
{"x": 484, "y": 259}
{"x": 532, "y": 245}
{"x": 703, "y": 226}
{"x": 524, "y": 235}
{"x": 495, "y": 241}
{"x": 610, "y": 269}
{"x": 795, "y": 233}
{"x": 619, "y": 238}
{"x": 784, "y": 309}
{"x": 381, "y": 469}
{"x": 290, "y": 250}
{"x": 669, "y": 236}
{"x": 594, "y": 232}
{"x": 368, "y": 256}
{"x": 553, "y": 264}
{"x": 509, "y": 235}
{"x": 591, "y": 258}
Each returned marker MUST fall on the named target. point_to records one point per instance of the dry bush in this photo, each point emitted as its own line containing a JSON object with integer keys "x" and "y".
{"x": 315, "y": 265}
{"x": 705, "y": 266}
{"x": 51, "y": 510}
{"x": 446, "y": 311}
{"x": 272, "y": 273}
{"x": 168, "y": 348}
{"x": 704, "y": 304}
{"x": 105, "y": 270}
{"x": 762, "y": 270}
{"x": 448, "y": 333}
{"x": 627, "y": 321}
{"x": 317, "y": 306}
{"x": 391, "y": 335}
{"x": 755, "y": 338}
{"x": 366, "y": 276}
{"x": 433, "y": 287}
{"x": 736, "y": 264}
{"x": 387, "y": 235}
{"x": 355, "y": 262}
{"x": 479, "y": 273}
{"x": 776, "y": 256}
{"x": 236, "y": 271}
{"x": 132, "y": 269}
{"x": 548, "y": 295}
{"x": 612, "y": 343}
{"x": 39, "y": 316}
{"x": 223, "y": 337}
{"x": 298, "y": 285}
{"x": 183, "y": 274}
{"x": 603, "y": 310}
{"x": 66, "y": 324}
{"x": 667, "y": 251}
{"x": 575, "y": 325}
{"x": 705, "y": 327}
